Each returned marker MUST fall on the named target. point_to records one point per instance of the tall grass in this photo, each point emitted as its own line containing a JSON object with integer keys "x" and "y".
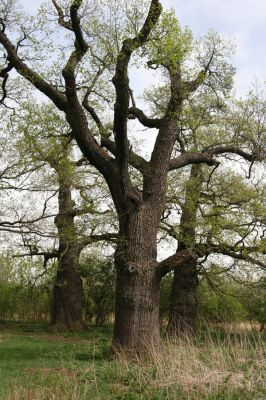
{"x": 214, "y": 367}
{"x": 202, "y": 370}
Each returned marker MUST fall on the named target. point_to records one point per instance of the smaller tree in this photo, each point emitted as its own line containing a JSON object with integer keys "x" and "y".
{"x": 221, "y": 211}
{"x": 48, "y": 142}
{"x": 254, "y": 299}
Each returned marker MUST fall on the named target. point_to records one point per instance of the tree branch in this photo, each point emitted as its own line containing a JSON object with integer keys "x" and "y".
{"x": 75, "y": 113}
{"x": 143, "y": 119}
{"x": 185, "y": 159}
{"x": 121, "y": 83}
{"x": 108, "y": 237}
{"x": 206, "y": 156}
{"x": 80, "y": 43}
{"x": 58, "y": 98}
{"x": 175, "y": 261}
{"x": 46, "y": 257}
{"x": 134, "y": 159}
{"x": 61, "y": 17}
{"x": 192, "y": 86}
{"x": 254, "y": 156}
{"x": 4, "y": 74}
{"x": 236, "y": 252}
{"x": 46, "y": 254}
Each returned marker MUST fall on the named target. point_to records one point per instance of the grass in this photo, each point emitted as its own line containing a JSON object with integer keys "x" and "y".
{"x": 220, "y": 365}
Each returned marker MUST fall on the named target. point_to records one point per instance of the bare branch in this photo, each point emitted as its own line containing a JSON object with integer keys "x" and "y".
{"x": 175, "y": 261}
{"x": 255, "y": 156}
{"x": 192, "y": 158}
{"x": 233, "y": 251}
{"x": 143, "y": 119}
{"x": 61, "y": 17}
{"x": 46, "y": 254}
{"x": 80, "y": 43}
{"x": 58, "y": 98}
{"x": 112, "y": 237}
{"x": 121, "y": 83}
{"x": 4, "y": 74}
{"x": 206, "y": 157}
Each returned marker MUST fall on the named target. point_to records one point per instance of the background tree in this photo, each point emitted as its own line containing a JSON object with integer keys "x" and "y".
{"x": 224, "y": 122}
{"x": 232, "y": 225}
{"x": 254, "y": 299}
{"x": 48, "y": 140}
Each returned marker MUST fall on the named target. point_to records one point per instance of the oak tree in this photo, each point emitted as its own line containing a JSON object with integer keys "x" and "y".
{"x": 74, "y": 81}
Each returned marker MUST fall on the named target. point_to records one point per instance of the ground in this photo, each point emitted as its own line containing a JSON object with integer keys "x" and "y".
{"x": 219, "y": 365}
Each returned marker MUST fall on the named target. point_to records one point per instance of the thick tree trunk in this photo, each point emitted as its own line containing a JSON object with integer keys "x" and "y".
{"x": 184, "y": 301}
{"x": 138, "y": 277}
{"x": 138, "y": 284}
{"x": 67, "y": 302}
{"x": 137, "y": 311}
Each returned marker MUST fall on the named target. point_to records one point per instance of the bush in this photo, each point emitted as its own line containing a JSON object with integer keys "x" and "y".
{"x": 24, "y": 302}
{"x": 99, "y": 278}
{"x": 254, "y": 299}
{"x": 22, "y": 298}
{"x": 220, "y": 306}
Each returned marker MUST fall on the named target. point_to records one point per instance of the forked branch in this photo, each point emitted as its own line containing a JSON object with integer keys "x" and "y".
{"x": 61, "y": 16}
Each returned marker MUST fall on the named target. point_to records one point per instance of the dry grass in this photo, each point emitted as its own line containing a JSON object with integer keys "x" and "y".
{"x": 201, "y": 370}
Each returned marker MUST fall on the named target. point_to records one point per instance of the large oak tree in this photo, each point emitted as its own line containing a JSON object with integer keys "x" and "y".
{"x": 160, "y": 41}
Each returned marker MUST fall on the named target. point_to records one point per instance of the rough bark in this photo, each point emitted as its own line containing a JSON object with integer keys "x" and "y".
{"x": 138, "y": 286}
{"x": 138, "y": 283}
{"x": 137, "y": 310}
{"x": 67, "y": 301}
{"x": 138, "y": 272}
{"x": 67, "y": 296}
{"x": 184, "y": 301}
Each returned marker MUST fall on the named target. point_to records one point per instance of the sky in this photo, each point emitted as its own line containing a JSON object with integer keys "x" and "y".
{"x": 243, "y": 21}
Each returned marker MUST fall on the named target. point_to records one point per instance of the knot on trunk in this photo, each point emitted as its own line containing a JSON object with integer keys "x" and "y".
{"x": 132, "y": 267}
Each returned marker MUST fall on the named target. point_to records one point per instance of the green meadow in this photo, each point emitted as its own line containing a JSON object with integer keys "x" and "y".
{"x": 219, "y": 364}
